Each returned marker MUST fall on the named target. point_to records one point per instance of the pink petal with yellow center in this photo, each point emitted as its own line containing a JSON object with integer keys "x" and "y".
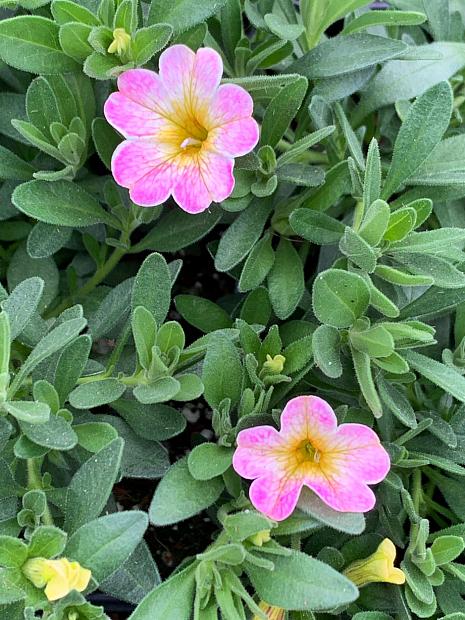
{"x": 357, "y": 448}
{"x": 260, "y": 452}
{"x": 236, "y": 138}
{"x": 190, "y": 77}
{"x": 145, "y": 169}
{"x": 231, "y": 103}
{"x": 341, "y": 490}
{"x": 145, "y": 88}
{"x": 308, "y": 417}
{"x": 275, "y": 497}
{"x": 130, "y": 118}
{"x": 203, "y": 178}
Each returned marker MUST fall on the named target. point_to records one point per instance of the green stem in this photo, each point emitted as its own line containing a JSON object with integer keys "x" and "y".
{"x": 34, "y": 481}
{"x": 92, "y": 283}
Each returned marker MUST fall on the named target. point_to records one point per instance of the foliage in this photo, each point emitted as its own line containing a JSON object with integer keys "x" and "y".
{"x": 339, "y": 256}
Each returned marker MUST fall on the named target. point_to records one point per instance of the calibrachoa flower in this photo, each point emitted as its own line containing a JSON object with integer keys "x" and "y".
{"x": 378, "y": 567}
{"x": 337, "y": 463}
{"x": 59, "y": 577}
{"x": 183, "y": 130}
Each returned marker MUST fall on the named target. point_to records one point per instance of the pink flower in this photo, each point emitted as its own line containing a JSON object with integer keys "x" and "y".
{"x": 337, "y": 463}
{"x": 183, "y": 130}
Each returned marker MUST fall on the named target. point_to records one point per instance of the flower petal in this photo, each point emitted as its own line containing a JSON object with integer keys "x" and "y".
{"x": 231, "y": 103}
{"x": 356, "y": 447}
{"x": 308, "y": 417}
{"x": 341, "y": 490}
{"x": 145, "y": 169}
{"x": 275, "y": 497}
{"x": 203, "y": 178}
{"x": 145, "y": 88}
{"x": 259, "y": 452}
{"x": 176, "y": 66}
{"x": 130, "y": 118}
{"x": 235, "y": 138}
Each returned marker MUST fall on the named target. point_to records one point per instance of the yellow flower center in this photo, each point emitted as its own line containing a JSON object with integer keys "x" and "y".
{"x": 196, "y": 135}
{"x": 307, "y": 453}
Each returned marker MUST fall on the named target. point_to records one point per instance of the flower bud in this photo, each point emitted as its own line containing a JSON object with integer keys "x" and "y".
{"x": 59, "y": 577}
{"x": 121, "y": 42}
{"x": 378, "y": 567}
{"x": 260, "y": 538}
{"x": 274, "y": 365}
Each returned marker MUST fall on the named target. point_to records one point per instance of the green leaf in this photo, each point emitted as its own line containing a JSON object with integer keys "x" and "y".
{"x": 90, "y": 487}
{"x": 339, "y": 297}
{"x": 55, "y": 340}
{"x": 209, "y": 460}
{"x": 281, "y": 110}
{"x": 426, "y": 122}
{"x": 191, "y": 387}
{"x": 397, "y": 403}
{"x": 401, "y": 223}
{"x": 444, "y": 273}
{"x": 384, "y": 18}
{"x": 178, "y": 229}
{"x": 96, "y": 393}
{"x": 171, "y": 600}
{"x": 375, "y": 341}
{"x": 44, "y": 240}
{"x": 61, "y": 203}
{"x": 22, "y": 303}
{"x": 13, "y": 552}
{"x": 104, "y": 544}
{"x": 447, "y": 548}
{"x": 70, "y": 366}
{"x": 315, "y": 585}
{"x": 326, "y": 344}
{"x": 242, "y": 235}
{"x": 152, "y": 287}
{"x": 73, "y": 38}
{"x": 180, "y": 496}
{"x": 153, "y": 422}
{"x": 148, "y": 41}
{"x": 65, "y": 11}
{"x": 372, "y": 181}
{"x": 348, "y": 522}
{"x": 316, "y": 227}
{"x": 345, "y": 54}
{"x": 183, "y": 14}
{"x": 358, "y": 250}
{"x": 162, "y": 390}
{"x": 28, "y": 411}
{"x": 363, "y": 372}
{"x": 30, "y": 43}
{"x": 446, "y": 378}
{"x": 202, "y": 313}
{"x": 400, "y": 80}
{"x": 257, "y": 265}
{"x": 93, "y": 436}
{"x": 13, "y": 167}
{"x": 435, "y": 302}
{"x": 286, "y": 283}
{"x": 257, "y": 307}
{"x": 55, "y": 434}
{"x": 47, "y": 541}
{"x": 222, "y": 372}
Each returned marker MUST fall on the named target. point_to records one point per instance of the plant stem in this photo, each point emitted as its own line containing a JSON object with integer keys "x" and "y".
{"x": 91, "y": 283}
{"x": 34, "y": 481}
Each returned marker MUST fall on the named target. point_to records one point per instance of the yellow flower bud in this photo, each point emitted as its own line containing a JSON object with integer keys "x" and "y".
{"x": 271, "y": 612}
{"x": 121, "y": 42}
{"x": 59, "y": 577}
{"x": 274, "y": 364}
{"x": 379, "y": 566}
{"x": 260, "y": 538}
